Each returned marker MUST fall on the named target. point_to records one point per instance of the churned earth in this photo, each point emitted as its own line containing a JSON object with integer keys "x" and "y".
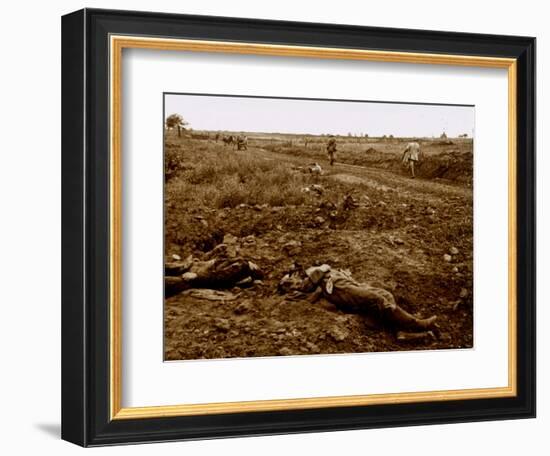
{"x": 413, "y": 237}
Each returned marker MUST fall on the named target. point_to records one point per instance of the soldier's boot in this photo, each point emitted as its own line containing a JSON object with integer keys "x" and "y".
{"x": 404, "y": 319}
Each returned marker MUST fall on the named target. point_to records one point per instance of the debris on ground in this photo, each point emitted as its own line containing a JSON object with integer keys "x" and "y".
{"x": 210, "y": 295}
{"x": 338, "y": 334}
{"x": 349, "y": 202}
{"x": 292, "y": 248}
{"x": 316, "y": 189}
{"x": 222, "y": 324}
{"x": 403, "y": 336}
{"x": 319, "y": 220}
{"x": 315, "y": 168}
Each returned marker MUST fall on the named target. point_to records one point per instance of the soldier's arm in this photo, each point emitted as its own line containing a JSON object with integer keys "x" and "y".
{"x": 315, "y": 296}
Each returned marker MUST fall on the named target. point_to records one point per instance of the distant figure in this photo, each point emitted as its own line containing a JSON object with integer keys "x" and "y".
{"x": 242, "y": 142}
{"x": 331, "y": 149}
{"x": 411, "y": 157}
{"x": 228, "y": 140}
{"x": 216, "y": 137}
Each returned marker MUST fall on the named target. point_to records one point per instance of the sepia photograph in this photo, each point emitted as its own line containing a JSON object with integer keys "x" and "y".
{"x": 316, "y": 227}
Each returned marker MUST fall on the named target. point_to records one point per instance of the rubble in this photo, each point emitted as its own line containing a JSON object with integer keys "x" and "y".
{"x": 319, "y": 220}
{"x": 349, "y": 202}
{"x": 315, "y": 168}
{"x": 222, "y": 325}
{"x": 210, "y": 295}
{"x": 314, "y": 188}
{"x": 292, "y": 248}
{"x": 426, "y": 336}
{"x": 338, "y": 334}
{"x": 242, "y": 308}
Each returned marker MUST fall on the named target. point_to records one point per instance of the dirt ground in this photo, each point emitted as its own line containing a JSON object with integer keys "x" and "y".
{"x": 413, "y": 237}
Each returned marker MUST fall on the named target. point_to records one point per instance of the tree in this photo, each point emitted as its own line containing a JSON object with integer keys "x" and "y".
{"x": 176, "y": 121}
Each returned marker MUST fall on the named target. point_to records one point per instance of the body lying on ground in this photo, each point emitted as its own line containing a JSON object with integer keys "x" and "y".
{"x": 341, "y": 289}
{"x": 220, "y": 272}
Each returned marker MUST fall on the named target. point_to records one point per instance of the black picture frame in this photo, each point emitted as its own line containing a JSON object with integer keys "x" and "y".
{"x": 85, "y": 228}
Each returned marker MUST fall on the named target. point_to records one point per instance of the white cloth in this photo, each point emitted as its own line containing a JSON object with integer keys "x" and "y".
{"x": 412, "y": 152}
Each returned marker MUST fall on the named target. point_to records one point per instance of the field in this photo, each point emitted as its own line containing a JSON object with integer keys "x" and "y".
{"x": 413, "y": 237}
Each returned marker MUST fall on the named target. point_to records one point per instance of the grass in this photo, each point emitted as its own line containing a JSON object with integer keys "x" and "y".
{"x": 215, "y": 177}
{"x": 453, "y": 161}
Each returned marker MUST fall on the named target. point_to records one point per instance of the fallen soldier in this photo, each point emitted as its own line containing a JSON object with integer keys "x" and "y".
{"x": 215, "y": 273}
{"x": 339, "y": 288}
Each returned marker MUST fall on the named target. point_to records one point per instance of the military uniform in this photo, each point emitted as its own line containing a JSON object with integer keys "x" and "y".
{"x": 339, "y": 288}
{"x": 411, "y": 156}
{"x": 331, "y": 150}
{"x": 242, "y": 142}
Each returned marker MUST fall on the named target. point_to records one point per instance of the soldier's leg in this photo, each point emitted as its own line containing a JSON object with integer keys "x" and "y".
{"x": 392, "y": 313}
{"x": 411, "y": 164}
{"x": 402, "y": 319}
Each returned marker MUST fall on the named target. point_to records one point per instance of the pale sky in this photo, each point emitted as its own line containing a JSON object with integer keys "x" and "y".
{"x": 276, "y": 115}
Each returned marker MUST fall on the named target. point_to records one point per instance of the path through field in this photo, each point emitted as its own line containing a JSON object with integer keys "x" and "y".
{"x": 429, "y": 190}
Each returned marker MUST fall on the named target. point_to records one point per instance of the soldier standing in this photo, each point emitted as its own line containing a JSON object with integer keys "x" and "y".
{"x": 411, "y": 156}
{"x": 242, "y": 142}
{"x": 331, "y": 149}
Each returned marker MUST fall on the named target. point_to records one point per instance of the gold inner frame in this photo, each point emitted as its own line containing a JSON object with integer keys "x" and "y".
{"x": 117, "y": 44}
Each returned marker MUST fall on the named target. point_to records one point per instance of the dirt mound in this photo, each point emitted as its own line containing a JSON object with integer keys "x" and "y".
{"x": 453, "y": 166}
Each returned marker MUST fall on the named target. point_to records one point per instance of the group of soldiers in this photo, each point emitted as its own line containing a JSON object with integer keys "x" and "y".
{"x": 239, "y": 141}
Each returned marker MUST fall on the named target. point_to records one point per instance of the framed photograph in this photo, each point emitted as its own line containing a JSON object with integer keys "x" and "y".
{"x": 279, "y": 227}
